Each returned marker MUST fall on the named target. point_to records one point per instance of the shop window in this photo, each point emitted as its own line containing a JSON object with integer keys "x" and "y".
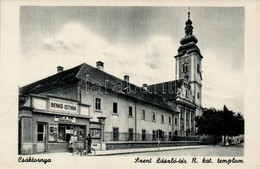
{"x": 153, "y": 116}
{"x": 61, "y": 133}
{"x": 130, "y": 111}
{"x": 97, "y": 103}
{"x": 95, "y": 133}
{"x": 115, "y": 134}
{"x": 115, "y": 107}
{"x": 130, "y": 134}
{"x": 81, "y": 133}
{"x": 40, "y": 132}
{"x": 53, "y": 132}
{"x": 143, "y": 114}
{"x": 143, "y": 135}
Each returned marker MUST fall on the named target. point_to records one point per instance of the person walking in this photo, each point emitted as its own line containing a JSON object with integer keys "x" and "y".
{"x": 89, "y": 140}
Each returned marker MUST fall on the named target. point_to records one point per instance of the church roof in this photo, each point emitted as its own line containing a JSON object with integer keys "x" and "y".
{"x": 108, "y": 81}
{"x": 167, "y": 90}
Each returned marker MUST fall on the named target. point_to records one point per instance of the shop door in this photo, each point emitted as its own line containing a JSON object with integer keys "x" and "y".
{"x": 41, "y": 137}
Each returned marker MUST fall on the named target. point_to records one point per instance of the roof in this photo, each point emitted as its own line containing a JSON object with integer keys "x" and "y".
{"x": 58, "y": 80}
{"x": 108, "y": 81}
{"x": 167, "y": 90}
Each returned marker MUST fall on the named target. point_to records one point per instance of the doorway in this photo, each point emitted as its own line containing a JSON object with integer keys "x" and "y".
{"x": 41, "y": 137}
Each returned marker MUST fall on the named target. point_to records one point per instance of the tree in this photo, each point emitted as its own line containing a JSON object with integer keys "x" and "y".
{"x": 220, "y": 122}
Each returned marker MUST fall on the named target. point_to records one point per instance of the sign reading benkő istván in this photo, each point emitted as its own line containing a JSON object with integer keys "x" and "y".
{"x": 54, "y": 105}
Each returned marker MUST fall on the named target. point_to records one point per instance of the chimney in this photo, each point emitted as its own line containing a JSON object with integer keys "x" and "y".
{"x": 126, "y": 78}
{"x": 100, "y": 65}
{"x": 59, "y": 69}
{"x": 145, "y": 86}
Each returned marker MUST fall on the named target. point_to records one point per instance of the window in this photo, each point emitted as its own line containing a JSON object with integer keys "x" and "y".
{"x": 143, "y": 135}
{"x": 170, "y": 136}
{"x": 61, "y": 133}
{"x": 82, "y": 133}
{"x": 98, "y": 104}
{"x": 53, "y": 132}
{"x": 185, "y": 68}
{"x": 143, "y": 115}
{"x": 130, "y": 134}
{"x": 187, "y": 119}
{"x": 115, "y": 134}
{"x": 65, "y": 131}
{"x": 198, "y": 95}
{"x": 154, "y": 135}
{"x": 95, "y": 133}
{"x": 162, "y": 119}
{"x": 162, "y": 138}
{"x": 182, "y": 114}
{"x": 176, "y": 121}
{"x": 192, "y": 116}
{"x": 40, "y": 132}
{"x": 187, "y": 93}
{"x": 130, "y": 111}
{"x": 198, "y": 68}
{"x": 170, "y": 120}
{"x": 153, "y": 117}
{"x": 115, "y": 107}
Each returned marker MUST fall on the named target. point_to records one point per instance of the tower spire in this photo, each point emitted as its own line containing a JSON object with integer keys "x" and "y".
{"x": 188, "y": 27}
{"x": 188, "y": 12}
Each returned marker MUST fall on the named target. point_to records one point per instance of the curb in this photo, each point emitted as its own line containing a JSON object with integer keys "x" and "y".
{"x": 147, "y": 151}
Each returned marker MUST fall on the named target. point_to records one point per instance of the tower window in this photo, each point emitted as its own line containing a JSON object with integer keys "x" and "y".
{"x": 198, "y": 95}
{"x": 198, "y": 68}
{"x": 185, "y": 68}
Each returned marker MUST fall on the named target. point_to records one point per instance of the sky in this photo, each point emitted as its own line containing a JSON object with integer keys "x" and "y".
{"x": 138, "y": 41}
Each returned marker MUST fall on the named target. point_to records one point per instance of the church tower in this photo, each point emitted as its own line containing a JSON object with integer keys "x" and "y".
{"x": 188, "y": 64}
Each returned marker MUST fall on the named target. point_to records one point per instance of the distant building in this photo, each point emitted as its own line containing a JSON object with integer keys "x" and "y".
{"x": 86, "y": 99}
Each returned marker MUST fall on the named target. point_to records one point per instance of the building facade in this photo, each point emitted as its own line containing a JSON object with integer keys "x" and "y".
{"x": 86, "y": 99}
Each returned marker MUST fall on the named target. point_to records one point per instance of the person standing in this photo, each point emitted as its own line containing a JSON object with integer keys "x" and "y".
{"x": 89, "y": 141}
{"x": 72, "y": 142}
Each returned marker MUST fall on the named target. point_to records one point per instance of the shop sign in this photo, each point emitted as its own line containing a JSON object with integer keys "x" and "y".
{"x": 54, "y": 105}
{"x": 59, "y": 118}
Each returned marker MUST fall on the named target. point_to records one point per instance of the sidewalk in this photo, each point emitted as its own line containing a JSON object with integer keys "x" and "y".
{"x": 143, "y": 150}
{"x": 124, "y": 151}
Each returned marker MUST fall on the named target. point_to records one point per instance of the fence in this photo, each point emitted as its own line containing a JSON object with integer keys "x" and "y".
{"x": 117, "y": 137}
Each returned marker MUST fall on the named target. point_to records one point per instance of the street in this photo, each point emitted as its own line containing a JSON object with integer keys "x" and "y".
{"x": 210, "y": 151}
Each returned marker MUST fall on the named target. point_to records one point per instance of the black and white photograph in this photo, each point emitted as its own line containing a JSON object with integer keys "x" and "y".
{"x": 154, "y": 85}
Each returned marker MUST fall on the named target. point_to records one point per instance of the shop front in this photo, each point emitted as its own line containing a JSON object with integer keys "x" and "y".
{"x": 46, "y": 125}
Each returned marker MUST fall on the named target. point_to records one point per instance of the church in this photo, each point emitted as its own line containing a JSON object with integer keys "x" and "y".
{"x": 87, "y": 100}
